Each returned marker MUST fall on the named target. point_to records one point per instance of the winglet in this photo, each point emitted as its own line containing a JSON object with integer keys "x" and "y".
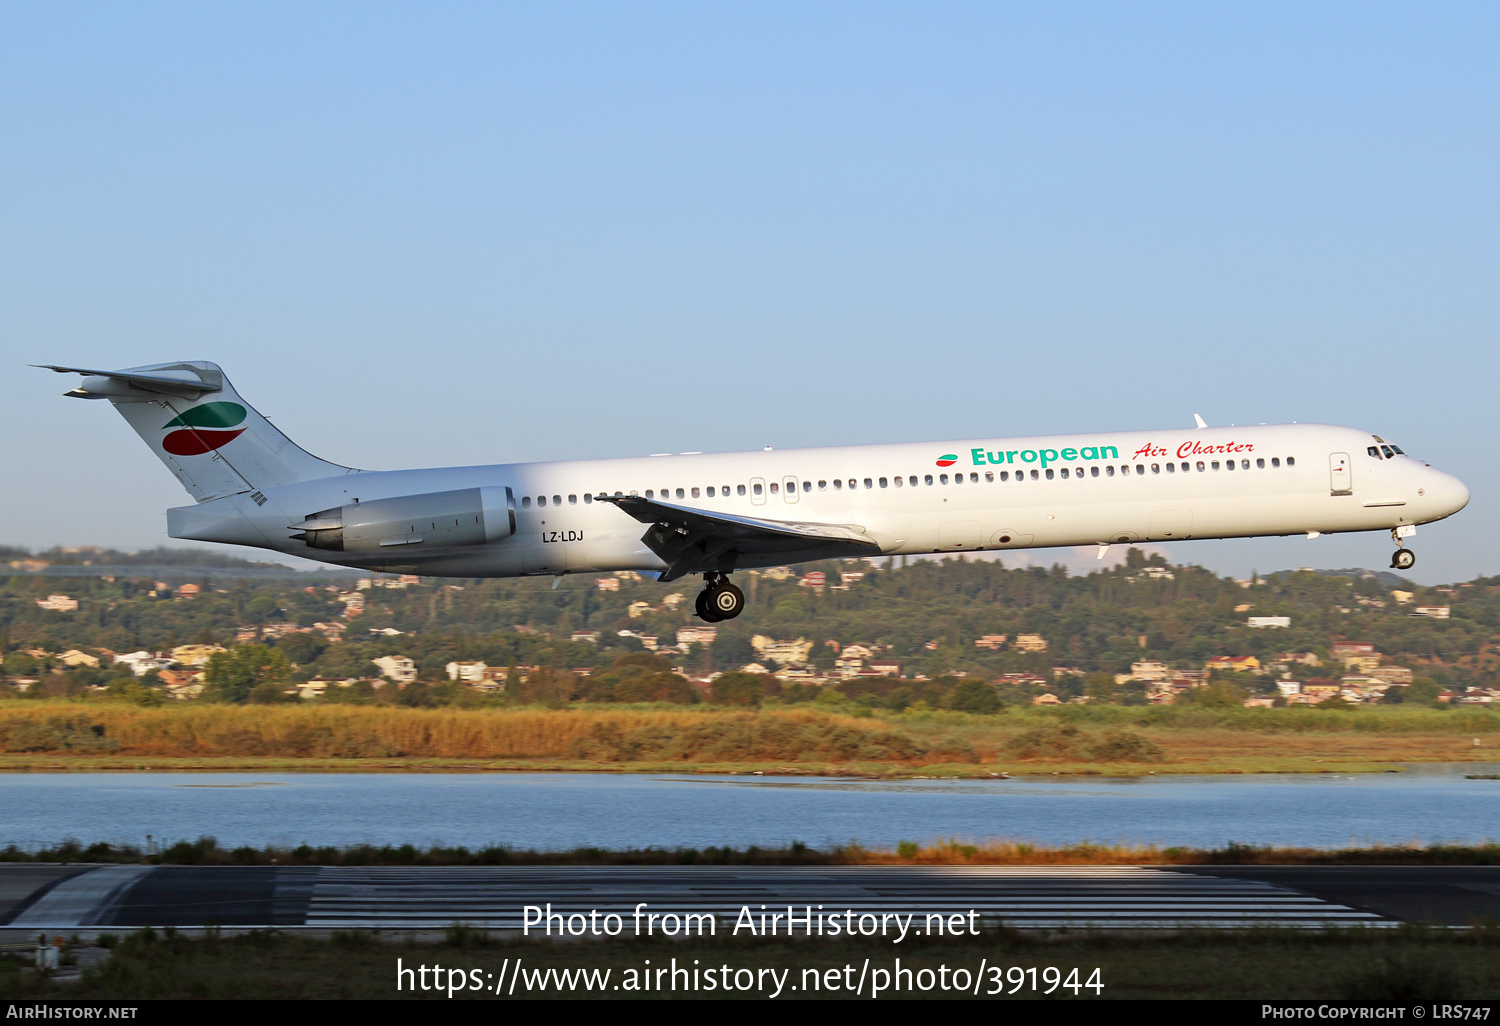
{"x": 1199, "y": 421}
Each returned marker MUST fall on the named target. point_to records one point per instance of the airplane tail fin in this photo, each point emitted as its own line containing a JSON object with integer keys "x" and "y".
{"x": 213, "y": 441}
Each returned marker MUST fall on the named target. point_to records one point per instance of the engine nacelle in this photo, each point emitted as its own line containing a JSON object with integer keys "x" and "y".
{"x": 468, "y": 516}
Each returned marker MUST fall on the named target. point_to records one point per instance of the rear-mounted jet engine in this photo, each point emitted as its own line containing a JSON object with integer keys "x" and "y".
{"x": 468, "y": 516}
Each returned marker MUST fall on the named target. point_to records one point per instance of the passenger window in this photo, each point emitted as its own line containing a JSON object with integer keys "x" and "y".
{"x": 1065, "y": 473}
{"x": 724, "y": 491}
{"x": 929, "y": 479}
{"x": 1215, "y": 464}
{"x": 541, "y": 500}
{"x": 1109, "y": 471}
{"x": 942, "y": 479}
{"x": 958, "y": 479}
{"x": 912, "y": 480}
{"x": 853, "y": 483}
{"x": 1093, "y": 472}
{"x": 1035, "y": 476}
{"x": 1291, "y": 461}
{"x": 869, "y": 483}
{"x": 900, "y": 483}
{"x": 1275, "y": 461}
{"x": 525, "y": 502}
{"x": 1201, "y": 467}
{"x": 1374, "y": 451}
{"x": 1260, "y": 464}
{"x": 710, "y": 491}
{"x": 1156, "y": 468}
{"x": 775, "y": 488}
{"x": 838, "y": 485}
{"x": 588, "y": 500}
{"x": 882, "y": 482}
{"x": 632, "y": 492}
{"x": 695, "y": 493}
{"x": 757, "y": 489}
{"x": 1049, "y": 473}
{"x": 989, "y": 477}
{"x": 557, "y": 500}
{"x": 1171, "y": 468}
{"x": 1388, "y": 453}
{"x": 572, "y": 500}
{"x": 1229, "y": 464}
{"x": 1140, "y": 471}
{"x": 1244, "y": 464}
{"x": 648, "y": 493}
{"x": 1005, "y": 475}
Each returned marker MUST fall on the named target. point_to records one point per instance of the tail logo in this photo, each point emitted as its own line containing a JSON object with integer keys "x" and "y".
{"x": 948, "y": 460}
{"x": 204, "y": 429}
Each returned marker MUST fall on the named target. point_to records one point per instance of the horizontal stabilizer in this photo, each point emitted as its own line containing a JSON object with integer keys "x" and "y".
{"x": 184, "y": 383}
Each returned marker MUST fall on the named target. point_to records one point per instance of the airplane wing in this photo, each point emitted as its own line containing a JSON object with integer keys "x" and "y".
{"x": 693, "y": 540}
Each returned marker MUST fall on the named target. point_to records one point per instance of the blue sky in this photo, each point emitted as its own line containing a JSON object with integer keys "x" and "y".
{"x": 469, "y": 233}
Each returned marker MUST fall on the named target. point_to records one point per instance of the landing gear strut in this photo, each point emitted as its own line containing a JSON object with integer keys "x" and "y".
{"x": 1404, "y": 558}
{"x": 719, "y": 600}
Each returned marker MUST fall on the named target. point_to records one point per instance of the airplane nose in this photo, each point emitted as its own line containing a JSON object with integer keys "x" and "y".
{"x": 1446, "y": 494}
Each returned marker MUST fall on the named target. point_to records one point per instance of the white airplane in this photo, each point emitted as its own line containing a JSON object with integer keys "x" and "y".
{"x": 713, "y": 514}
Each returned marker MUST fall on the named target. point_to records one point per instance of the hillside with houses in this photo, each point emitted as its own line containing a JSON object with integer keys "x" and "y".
{"x": 956, "y": 633}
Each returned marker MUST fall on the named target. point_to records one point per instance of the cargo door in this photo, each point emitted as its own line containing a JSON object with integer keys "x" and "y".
{"x": 1340, "y": 480}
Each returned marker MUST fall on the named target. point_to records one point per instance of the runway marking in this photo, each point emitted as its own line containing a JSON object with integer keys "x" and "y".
{"x": 81, "y": 900}
{"x": 1050, "y": 897}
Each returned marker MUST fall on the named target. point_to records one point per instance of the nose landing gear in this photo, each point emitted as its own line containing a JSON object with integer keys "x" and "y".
{"x": 719, "y": 600}
{"x": 1404, "y": 558}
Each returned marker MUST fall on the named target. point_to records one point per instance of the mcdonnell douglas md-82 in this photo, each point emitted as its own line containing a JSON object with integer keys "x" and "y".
{"x": 713, "y": 514}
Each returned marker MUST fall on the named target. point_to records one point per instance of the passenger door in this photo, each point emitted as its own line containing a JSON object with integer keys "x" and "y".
{"x": 758, "y": 491}
{"x": 1340, "y": 480}
{"x": 791, "y": 493}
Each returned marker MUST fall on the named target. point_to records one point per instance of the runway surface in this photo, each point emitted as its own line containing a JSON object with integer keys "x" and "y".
{"x": 425, "y": 898}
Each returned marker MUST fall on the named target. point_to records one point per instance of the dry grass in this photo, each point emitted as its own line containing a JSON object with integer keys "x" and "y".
{"x": 799, "y": 740}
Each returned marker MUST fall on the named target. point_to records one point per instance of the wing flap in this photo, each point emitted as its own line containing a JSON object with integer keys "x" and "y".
{"x": 692, "y": 540}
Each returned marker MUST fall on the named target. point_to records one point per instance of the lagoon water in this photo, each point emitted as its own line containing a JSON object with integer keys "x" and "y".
{"x": 559, "y": 811}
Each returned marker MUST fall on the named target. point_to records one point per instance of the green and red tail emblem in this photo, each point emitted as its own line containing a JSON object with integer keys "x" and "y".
{"x": 204, "y": 429}
{"x": 948, "y": 460}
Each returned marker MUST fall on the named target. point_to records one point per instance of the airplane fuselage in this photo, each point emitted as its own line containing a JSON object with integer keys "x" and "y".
{"x": 962, "y": 496}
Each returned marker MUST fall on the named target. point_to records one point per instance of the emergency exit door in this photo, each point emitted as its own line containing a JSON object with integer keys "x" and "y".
{"x": 1340, "y": 480}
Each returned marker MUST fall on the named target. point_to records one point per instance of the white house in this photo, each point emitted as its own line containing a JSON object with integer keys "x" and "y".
{"x": 142, "y": 663}
{"x": 398, "y": 668}
{"x": 472, "y": 672}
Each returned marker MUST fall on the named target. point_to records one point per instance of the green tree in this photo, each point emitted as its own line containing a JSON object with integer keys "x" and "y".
{"x": 1217, "y": 694}
{"x": 736, "y": 688}
{"x": 974, "y": 696}
{"x": 233, "y": 676}
{"x": 1421, "y": 691}
{"x": 302, "y": 648}
{"x": 1101, "y": 687}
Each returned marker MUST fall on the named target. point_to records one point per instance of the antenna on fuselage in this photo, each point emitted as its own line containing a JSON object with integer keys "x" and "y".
{"x": 1199, "y": 421}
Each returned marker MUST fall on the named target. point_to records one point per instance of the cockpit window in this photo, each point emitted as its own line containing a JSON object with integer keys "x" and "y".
{"x": 1374, "y": 450}
{"x": 1388, "y": 453}
{"x": 1399, "y": 450}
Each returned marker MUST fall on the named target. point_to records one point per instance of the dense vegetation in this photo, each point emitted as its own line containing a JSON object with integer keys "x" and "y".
{"x": 927, "y": 615}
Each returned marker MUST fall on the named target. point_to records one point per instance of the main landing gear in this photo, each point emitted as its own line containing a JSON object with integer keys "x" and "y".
{"x": 1404, "y": 558}
{"x": 719, "y": 600}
